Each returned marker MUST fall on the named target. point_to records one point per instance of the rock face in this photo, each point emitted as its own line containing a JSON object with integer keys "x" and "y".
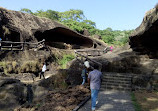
{"x": 144, "y": 38}
{"x": 86, "y": 32}
{"x": 12, "y": 94}
{"x": 97, "y": 37}
{"x": 17, "y": 26}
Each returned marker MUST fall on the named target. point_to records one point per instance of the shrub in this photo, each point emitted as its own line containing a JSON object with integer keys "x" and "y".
{"x": 135, "y": 103}
{"x": 30, "y": 66}
{"x": 15, "y": 67}
{"x": 7, "y": 67}
{"x": 66, "y": 58}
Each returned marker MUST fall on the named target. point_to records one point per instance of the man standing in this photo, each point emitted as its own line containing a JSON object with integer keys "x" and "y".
{"x": 84, "y": 75}
{"x": 94, "y": 79}
{"x": 43, "y": 70}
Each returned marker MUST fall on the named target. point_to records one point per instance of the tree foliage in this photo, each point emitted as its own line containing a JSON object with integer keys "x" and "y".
{"x": 25, "y": 10}
{"x": 75, "y": 15}
{"x": 76, "y": 20}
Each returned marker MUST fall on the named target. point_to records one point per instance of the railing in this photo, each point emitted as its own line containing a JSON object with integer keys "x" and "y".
{"x": 94, "y": 52}
{"x": 91, "y": 52}
{"x": 9, "y": 45}
{"x": 86, "y": 57}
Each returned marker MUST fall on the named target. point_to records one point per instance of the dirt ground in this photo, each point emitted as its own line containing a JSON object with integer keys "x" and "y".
{"x": 61, "y": 100}
{"x": 148, "y": 101}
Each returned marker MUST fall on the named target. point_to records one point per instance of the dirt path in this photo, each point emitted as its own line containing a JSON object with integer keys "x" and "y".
{"x": 111, "y": 101}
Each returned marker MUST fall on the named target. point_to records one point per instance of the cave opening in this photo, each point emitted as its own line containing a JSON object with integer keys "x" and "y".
{"x": 12, "y": 36}
{"x": 63, "y": 38}
{"x": 149, "y": 39}
{"x": 146, "y": 42}
{"x": 95, "y": 46}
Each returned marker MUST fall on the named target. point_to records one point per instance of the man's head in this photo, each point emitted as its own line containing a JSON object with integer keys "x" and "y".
{"x": 96, "y": 66}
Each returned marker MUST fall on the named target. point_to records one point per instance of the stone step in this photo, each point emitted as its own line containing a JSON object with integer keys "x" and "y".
{"x": 116, "y": 81}
{"x": 115, "y": 88}
{"x": 117, "y": 75}
{"x": 116, "y": 78}
{"x": 115, "y": 84}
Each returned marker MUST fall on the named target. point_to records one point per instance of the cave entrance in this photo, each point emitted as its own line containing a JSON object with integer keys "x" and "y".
{"x": 146, "y": 42}
{"x": 11, "y": 36}
{"x": 149, "y": 39}
{"x": 64, "y": 38}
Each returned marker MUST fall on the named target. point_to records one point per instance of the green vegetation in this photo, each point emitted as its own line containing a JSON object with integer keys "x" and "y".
{"x": 65, "y": 59}
{"x": 9, "y": 67}
{"x": 30, "y": 66}
{"x": 26, "y": 65}
{"x": 38, "y": 106}
{"x": 76, "y": 20}
{"x": 135, "y": 103}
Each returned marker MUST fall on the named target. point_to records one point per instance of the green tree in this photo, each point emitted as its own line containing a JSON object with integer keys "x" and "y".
{"x": 109, "y": 29}
{"x": 75, "y": 15}
{"x": 26, "y": 10}
{"x": 108, "y": 39}
{"x": 76, "y": 20}
{"x": 53, "y": 15}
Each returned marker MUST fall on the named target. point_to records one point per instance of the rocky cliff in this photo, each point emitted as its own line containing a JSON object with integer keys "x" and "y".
{"x": 17, "y": 26}
{"x": 144, "y": 38}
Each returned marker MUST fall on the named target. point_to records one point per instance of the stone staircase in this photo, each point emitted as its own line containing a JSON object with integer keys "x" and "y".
{"x": 111, "y": 80}
{"x": 116, "y": 81}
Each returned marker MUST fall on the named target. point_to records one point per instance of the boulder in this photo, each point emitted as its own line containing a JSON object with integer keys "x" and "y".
{"x": 23, "y": 27}
{"x": 97, "y": 37}
{"x": 12, "y": 94}
{"x": 86, "y": 32}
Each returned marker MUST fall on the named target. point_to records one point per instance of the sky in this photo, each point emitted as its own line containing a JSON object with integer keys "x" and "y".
{"x": 116, "y": 14}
